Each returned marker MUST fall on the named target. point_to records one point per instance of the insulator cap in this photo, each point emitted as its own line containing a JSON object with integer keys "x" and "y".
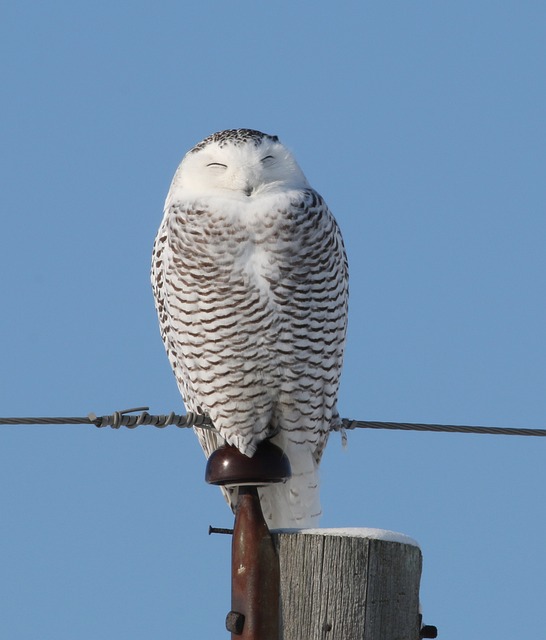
{"x": 228, "y": 466}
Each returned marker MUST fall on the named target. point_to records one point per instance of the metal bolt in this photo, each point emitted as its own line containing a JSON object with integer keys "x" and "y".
{"x": 235, "y": 622}
{"x": 220, "y": 530}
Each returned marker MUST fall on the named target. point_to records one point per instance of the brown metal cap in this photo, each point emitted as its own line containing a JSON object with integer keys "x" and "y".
{"x": 228, "y": 466}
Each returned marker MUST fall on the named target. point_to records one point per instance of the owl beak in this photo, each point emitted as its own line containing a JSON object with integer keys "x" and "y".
{"x": 248, "y": 190}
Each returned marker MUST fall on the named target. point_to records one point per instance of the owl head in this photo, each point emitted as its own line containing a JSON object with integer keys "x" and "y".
{"x": 238, "y": 163}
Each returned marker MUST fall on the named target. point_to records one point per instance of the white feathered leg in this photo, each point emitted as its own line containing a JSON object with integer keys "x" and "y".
{"x": 294, "y": 504}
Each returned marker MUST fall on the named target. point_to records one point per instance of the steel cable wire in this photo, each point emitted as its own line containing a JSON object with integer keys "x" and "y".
{"x": 128, "y": 418}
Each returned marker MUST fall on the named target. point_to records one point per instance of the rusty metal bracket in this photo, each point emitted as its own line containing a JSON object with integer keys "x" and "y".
{"x": 255, "y": 576}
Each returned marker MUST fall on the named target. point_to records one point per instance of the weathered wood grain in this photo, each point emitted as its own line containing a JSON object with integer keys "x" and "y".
{"x": 348, "y": 587}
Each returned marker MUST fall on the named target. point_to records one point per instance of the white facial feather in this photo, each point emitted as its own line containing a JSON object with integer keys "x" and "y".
{"x": 241, "y": 172}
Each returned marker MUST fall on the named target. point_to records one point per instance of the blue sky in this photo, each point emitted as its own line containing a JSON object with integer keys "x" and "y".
{"x": 422, "y": 124}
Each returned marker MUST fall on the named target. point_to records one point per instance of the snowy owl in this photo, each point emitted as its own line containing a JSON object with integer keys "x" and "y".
{"x": 250, "y": 281}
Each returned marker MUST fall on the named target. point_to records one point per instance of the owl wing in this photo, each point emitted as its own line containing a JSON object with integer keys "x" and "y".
{"x": 168, "y": 295}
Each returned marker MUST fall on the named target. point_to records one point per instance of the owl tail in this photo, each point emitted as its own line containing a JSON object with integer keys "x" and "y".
{"x": 294, "y": 504}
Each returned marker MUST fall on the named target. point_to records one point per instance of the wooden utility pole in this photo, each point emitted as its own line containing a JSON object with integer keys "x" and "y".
{"x": 349, "y": 584}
